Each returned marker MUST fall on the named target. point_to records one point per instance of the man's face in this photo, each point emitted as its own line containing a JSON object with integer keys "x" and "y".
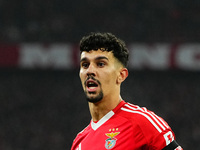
{"x": 98, "y": 74}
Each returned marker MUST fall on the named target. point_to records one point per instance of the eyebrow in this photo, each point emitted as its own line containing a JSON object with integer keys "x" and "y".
{"x": 97, "y": 58}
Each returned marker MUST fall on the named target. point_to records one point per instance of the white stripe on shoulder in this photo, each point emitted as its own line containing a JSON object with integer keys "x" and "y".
{"x": 83, "y": 129}
{"x": 164, "y": 123}
{"x": 157, "y": 119}
{"x": 143, "y": 114}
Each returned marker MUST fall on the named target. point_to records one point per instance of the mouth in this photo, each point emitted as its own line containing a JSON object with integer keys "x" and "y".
{"x": 91, "y": 85}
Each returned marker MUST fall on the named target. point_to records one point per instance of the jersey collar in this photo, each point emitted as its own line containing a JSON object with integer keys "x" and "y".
{"x": 95, "y": 126}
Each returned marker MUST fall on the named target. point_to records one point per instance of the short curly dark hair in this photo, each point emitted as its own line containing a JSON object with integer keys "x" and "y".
{"x": 108, "y": 42}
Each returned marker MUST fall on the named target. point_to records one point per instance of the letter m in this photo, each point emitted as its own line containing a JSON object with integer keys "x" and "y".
{"x": 52, "y": 56}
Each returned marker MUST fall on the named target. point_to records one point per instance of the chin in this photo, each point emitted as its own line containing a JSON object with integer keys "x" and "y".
{"x": 94, "y": 98}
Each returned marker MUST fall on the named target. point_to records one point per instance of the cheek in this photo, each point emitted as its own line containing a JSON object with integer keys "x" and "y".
{"x": 82, "y": 78}
{"x": 81, "y": 74}
{"x": 110, "y": 80}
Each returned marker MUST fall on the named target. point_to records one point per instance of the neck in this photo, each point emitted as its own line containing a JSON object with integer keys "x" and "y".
{"x": 101, "y": 108}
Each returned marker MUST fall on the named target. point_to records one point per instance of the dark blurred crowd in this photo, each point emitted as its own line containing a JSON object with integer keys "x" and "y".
{"x": 68, "y": 20}
{"x": 46, "y": 109}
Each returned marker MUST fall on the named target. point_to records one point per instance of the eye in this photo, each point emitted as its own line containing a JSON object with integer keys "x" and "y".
{"x": 101, "y": 64}
{"x": 85, "y": 65}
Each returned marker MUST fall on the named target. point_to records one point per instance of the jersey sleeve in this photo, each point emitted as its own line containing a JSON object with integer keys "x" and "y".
{"x": 162, "y": 139}
{"x": 80, "y": 136}
{"x": 157, "y": 132}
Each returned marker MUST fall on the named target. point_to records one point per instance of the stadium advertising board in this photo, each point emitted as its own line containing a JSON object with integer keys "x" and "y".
{"x": 66, "y": 56}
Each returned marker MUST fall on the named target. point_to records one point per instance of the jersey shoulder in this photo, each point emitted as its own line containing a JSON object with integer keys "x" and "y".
{"x": 80, "y": 136}
{"x": 143, "y": 117}
{"x": 153, "y": 127}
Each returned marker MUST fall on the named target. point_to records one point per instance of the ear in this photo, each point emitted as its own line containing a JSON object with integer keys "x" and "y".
{"x": 123, "y": 74}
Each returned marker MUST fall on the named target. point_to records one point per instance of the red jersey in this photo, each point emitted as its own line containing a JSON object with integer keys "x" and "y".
{"x": 126, "y": 127}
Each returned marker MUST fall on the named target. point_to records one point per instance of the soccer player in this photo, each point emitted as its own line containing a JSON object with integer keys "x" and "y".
{"x": 115, "y": 124}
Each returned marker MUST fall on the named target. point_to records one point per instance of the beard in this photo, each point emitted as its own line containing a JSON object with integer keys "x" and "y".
{"x": 94, "y": 99}
{"x": 90, "y": 95}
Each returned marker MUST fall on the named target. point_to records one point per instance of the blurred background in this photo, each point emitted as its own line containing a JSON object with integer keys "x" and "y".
{"x": 42, "y": 105}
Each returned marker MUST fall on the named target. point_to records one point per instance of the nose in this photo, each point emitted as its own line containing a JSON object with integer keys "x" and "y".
{"x": 91, "y": 70}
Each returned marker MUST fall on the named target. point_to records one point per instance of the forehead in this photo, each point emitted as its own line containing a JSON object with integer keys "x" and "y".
{"x": 93, "y": 54}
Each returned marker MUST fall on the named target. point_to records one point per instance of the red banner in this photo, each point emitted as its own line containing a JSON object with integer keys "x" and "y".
{"x": 9, "y": 55}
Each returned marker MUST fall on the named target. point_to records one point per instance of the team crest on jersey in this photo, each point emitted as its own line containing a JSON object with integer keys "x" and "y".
{"x": 111, "y": 141}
